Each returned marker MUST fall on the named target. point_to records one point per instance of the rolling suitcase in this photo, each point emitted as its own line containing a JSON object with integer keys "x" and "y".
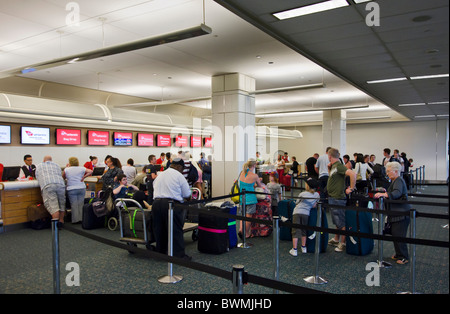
{"x": 213, "y": 235}
{"x": 358, "y": 221}
{"x": 232, "y": 228}
{"x": 286, "y": 180}
{"x": 285, "y": 209}
{"x": 90, "y": 220}
{"x": 311, "y": 235}
{"x": 263, "y": 211}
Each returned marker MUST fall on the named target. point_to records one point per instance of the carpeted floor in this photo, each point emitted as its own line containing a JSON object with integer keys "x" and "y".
{"x": 26, "y": 264}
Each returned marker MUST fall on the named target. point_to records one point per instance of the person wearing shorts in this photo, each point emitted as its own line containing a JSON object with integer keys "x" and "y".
{"x": 307, "y": 200}
{"x": 337, "y": 192}
{"x": 53, "y": 189}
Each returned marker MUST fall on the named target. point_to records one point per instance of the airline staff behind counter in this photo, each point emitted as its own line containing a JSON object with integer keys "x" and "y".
{"x": 170, "y": 185}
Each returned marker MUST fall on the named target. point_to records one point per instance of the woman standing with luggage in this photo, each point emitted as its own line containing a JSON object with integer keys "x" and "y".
{"x": 247, "y": 181}
{"x": 399, "y": 224}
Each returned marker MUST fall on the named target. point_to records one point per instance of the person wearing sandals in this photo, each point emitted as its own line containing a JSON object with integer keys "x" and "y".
{"x": 399, "y": 224}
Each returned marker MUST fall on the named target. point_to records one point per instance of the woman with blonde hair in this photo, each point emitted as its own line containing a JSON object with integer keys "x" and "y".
{"x": 248, "y": 179}
{"x": 76, "y": 188}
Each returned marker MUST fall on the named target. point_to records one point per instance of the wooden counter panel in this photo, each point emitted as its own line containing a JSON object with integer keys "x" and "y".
{"x": 15, "y": 204}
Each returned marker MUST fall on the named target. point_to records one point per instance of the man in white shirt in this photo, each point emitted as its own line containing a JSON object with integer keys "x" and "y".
{"x": 321, "y": 168}
{"x": 170, "y": 186}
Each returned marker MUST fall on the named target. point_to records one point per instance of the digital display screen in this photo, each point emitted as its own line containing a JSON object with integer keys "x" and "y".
{"x": 5, "y": 134}
{"x": 68, "y": 137}
{"x": 100, "y": 138}
{"x": 196, "y": 141}
{"x": 123, "y": 139}
{"x": 145, "y": 139}
{"x": 181, "y": 141}
{"x": 163, "y": 140}
{"x": 33, "y": 135}
{"x": 208, "y": 141}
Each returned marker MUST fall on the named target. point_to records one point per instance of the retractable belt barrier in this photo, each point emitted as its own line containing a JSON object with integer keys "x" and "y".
{"x": 275, "y": 284}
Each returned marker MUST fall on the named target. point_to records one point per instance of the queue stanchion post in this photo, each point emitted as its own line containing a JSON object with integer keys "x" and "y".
{"x": 380, "y": 262}
{"x": 238, "y": 275}
{"x": 316, "y": 279}
{"x": 244, "y": 244}
{"x": 170, "y": 277}
{"x": 56, "y": 259}
{"x": 276, "y": 249}
{"x": 416, "y": 182}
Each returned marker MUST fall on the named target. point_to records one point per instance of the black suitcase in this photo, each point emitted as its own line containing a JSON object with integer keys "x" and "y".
{"x": 213, "y": 236}
{"x": 90, "y": 220}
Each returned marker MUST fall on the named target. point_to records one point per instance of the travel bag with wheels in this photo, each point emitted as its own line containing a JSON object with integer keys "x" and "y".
{"x": 358, "y": 221}
{"x": 311, "y": 235}
{"x": 90, "y": 220}
{"x": 285, "y": 209}
{"x": 213, "y": 235}
{"x": 264, "y": 212}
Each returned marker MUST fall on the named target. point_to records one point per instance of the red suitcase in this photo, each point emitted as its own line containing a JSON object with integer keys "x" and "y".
{"x": 263, "y": 211}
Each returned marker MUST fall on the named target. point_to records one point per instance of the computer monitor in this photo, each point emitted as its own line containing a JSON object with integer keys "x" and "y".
{"x": 11, "y": 173}
{"x": 98, "y": 171}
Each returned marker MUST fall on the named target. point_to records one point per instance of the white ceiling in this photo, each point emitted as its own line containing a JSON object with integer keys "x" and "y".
{"x": 33, "y": 31}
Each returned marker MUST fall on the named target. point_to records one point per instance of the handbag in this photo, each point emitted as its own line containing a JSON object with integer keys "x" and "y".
{"x": 99, "y": 208}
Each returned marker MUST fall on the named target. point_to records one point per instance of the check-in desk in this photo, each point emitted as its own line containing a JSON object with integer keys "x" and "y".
{"x": 16, "y": 196}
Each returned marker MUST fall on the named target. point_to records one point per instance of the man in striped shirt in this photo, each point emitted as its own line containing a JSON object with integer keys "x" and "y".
{"x": 53, "y": 189}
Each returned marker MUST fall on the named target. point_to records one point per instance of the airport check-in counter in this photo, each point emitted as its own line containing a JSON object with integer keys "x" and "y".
{"x": 17, "y": 196}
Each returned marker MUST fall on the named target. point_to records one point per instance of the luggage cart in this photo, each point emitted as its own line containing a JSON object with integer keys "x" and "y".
{"x": 130, "y": 232}
{"x": 134, "y": 234}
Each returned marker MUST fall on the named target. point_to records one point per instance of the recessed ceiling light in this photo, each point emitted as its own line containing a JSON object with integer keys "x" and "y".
{"x": 387, "y": 80}
{"x": 423, "y": 77}
{"x": 427, "y": 116}
{"x": 310, "y": 9}
{"x": 360, "y": 1}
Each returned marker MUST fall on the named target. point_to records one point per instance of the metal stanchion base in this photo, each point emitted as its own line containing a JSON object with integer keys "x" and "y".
{"x": 407, "y": 292}
{"x": 445, "y": 226}
{"x": 244, "y": 245}
{"x": 315, "y": 280}
{"x": 170, "y": 279}
{"x": 383, "y": 264}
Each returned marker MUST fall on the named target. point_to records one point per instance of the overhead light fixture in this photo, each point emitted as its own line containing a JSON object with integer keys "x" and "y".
{"x": 360, "y": 1}
{"x": 387, "y": 80}
{"x": 411, "y": 105}
{"x": 438, "y": 103}
{"x": 426, "y": 116}
{"x": 112, "y": 50}
{"x": 311, "y": 9}
{"x": 424, "y": 77}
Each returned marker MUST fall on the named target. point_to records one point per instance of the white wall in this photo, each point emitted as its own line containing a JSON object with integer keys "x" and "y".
{"x": 425, "y": 142}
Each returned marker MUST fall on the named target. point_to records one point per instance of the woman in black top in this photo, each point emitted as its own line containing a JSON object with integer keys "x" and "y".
{"x": 399, "y": 223}
{"x": 114, "y": 169}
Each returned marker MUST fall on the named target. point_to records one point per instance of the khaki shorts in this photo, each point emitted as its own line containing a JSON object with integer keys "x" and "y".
{"x": 54, "y": 196}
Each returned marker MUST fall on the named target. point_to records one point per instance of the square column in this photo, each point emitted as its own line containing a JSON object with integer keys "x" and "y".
{"x": 233, "y": 128}
{"x": 334, "y": 130}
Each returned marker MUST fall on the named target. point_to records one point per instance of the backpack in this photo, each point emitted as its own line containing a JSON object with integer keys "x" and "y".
{"x": 378, "y": 171}
{"x": 193, "y": 174}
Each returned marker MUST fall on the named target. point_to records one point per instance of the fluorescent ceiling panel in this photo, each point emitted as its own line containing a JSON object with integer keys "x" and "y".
{"x": 311, "y": 9}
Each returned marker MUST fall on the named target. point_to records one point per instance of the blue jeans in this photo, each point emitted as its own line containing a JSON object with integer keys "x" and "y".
{"x": 76, "y": 199}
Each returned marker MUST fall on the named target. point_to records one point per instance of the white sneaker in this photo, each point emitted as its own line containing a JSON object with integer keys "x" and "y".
{"x": 293, "y": 252}
{"x": 340, "y": 247}
{"x": 333, "y": 242}
{"x": 303, "y": 249}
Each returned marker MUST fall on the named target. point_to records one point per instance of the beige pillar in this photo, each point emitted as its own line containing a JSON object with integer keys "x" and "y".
{"x": 334, "y": 129}
{"x": 233, "y": 128}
